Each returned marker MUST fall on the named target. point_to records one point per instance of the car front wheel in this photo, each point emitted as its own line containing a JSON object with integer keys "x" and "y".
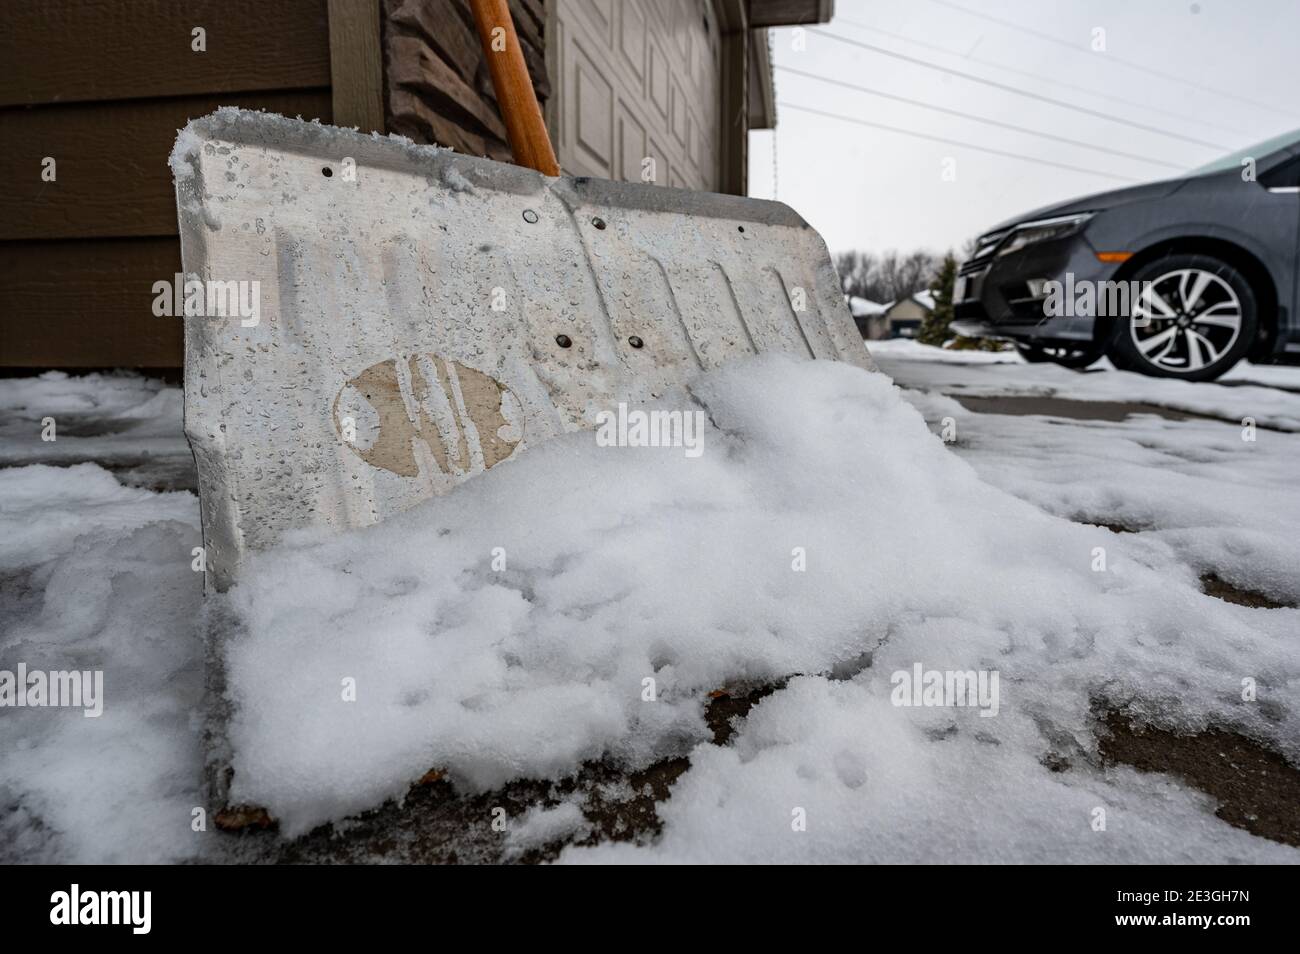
{"x": 1192, "y": 317}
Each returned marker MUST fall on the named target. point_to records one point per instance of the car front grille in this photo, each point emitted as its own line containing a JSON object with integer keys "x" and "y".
{"x": 985, "y": 246}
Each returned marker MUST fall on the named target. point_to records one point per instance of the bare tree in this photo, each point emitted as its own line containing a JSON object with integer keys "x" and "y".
{"x": 888, "y": 276}
{"x": 855, "y": 270}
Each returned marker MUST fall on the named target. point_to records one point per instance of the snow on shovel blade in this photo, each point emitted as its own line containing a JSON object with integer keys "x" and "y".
{"x": 369, "y": 322}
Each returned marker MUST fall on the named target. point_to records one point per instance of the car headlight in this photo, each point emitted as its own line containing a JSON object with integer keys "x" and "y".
{"x": 986, "y": 243}
{"x": 1043, "y": 230}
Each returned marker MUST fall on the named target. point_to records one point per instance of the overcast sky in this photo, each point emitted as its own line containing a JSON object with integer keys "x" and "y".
{"x": 1229, "y": 76}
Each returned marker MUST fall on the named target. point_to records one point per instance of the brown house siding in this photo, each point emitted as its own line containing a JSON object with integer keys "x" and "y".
{"x": 101, "y": 86}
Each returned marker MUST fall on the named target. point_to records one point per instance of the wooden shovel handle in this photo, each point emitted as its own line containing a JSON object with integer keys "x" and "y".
{"x": 529, "y": 141}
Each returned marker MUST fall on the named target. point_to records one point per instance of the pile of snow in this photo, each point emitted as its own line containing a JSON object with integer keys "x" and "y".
{"x": 95, "y": 576}
{"x": 824, "y": 531}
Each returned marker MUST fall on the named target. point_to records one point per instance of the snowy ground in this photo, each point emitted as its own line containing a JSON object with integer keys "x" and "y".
{"x": 827, "y": 539}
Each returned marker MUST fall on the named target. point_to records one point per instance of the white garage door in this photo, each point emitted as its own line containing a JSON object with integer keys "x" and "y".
{"x": 637, "y": 80}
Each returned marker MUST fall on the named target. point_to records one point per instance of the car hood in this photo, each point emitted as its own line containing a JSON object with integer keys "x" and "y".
{"x": 1097, "y": 201}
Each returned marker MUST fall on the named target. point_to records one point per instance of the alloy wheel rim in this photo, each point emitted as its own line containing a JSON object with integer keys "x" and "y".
{"x": 1185, "y": 320}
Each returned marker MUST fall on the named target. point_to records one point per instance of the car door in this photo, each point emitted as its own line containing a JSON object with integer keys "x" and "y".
{"x": 1281, "y": 182}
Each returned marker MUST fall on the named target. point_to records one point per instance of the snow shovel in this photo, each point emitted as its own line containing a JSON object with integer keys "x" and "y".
{"x": 370, "y": 322}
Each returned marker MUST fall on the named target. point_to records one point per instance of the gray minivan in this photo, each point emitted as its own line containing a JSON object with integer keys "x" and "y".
{"x": 1181, "y": 278}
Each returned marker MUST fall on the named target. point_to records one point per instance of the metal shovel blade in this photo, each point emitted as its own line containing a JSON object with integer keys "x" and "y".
{"x": 409, "y": 317}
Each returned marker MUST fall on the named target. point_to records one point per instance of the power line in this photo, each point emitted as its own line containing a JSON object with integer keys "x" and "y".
{"x": 1011, "y": 89}
{"x": 1039, "y": 77}
{"x": 1042, "y": 35}
{"x": 955, "y": 142}
{"x": 979, "y": 119}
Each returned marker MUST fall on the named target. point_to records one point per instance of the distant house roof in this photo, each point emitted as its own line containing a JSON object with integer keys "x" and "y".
{"x": 864, "y": 307}
{"x": 906, "y": 308}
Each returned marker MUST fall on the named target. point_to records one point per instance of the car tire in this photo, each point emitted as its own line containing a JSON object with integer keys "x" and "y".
{"x": 1065, "y": 356}
{"x": 1198, "y": 318}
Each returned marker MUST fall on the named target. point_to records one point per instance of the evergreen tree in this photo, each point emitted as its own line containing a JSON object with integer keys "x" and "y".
{"x": 934, "y": 329}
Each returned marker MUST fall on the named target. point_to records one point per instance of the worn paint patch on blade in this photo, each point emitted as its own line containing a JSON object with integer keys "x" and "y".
{"x": 456, "y": 310}
{"x": 394, "y": 412}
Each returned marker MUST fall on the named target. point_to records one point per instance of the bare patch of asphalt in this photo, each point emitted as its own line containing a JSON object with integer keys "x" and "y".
{"x": 1109, "y": 525}
{"x": 1230, "y": 593}
{"x": 1044, "y": 406}
{"x": 1254, "y": 787}
{"x": 1247, "y": 383}
{"x": 434, "y": 824}
{"x": 1110, "y": 411}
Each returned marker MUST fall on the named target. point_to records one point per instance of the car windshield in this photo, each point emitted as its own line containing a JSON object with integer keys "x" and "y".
{"x": 1258, "y": 151}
